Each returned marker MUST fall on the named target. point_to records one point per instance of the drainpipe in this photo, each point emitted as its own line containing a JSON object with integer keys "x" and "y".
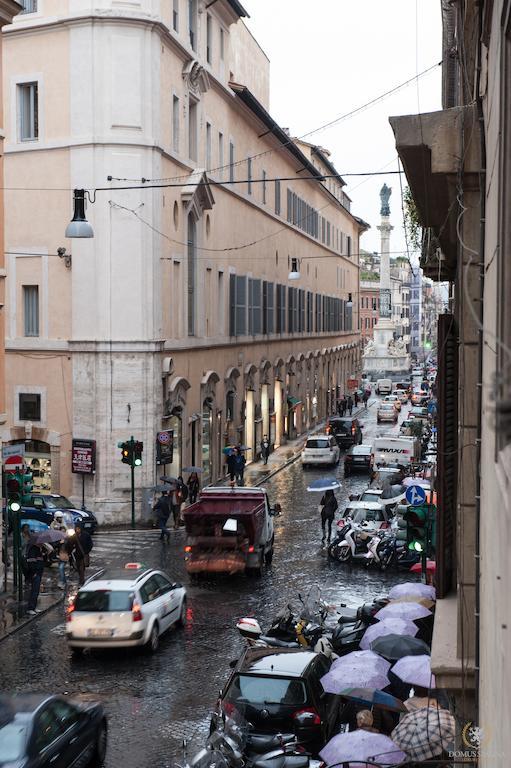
{"x": 482, "y": 187}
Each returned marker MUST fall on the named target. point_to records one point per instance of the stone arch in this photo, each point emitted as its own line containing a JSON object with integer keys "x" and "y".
{"x": 176, "y": 399}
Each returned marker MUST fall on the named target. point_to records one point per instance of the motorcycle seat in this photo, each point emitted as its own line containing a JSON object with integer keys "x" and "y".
{"x": 348, "y": 616}
{"x": 275, "y": 642}
{"x": 262, "y": 743}
{"x": 283, "y": 761}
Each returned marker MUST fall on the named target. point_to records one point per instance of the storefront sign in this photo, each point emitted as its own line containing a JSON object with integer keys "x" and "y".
{"x": 83, "y": 457}
{"x": 165, "y": 447}
{"x": 385, "y": 303}
{"x": 352, "y": 383}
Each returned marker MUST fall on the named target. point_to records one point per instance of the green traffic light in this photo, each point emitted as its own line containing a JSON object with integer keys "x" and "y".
{"x": 415, "y": 545}
{"x": 138, "y": 462}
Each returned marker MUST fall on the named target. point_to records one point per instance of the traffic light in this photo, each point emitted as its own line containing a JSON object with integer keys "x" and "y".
{"x": 26, "y": 486}
{"x": 138, "y": 447}
{"x": 14, "y": 485}
{"x": 126, "y": 452}
{"x": 420, "y": 528}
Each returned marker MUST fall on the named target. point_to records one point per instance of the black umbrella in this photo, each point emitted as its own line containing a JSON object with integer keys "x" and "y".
{"x": 394, "y": 647}
{"x": 167, "y": 479}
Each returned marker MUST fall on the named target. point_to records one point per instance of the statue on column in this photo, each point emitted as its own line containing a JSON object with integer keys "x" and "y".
{"x": 385, "y": 193}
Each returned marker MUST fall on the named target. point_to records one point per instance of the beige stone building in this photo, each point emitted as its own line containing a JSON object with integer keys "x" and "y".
{"x": 458, "y": 163}
{"x": 179, "y": 314}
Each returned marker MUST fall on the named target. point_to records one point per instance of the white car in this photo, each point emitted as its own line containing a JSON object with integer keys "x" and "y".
{"x": 403, "y": 395}
{"x": 124, "y": 608}
{"x": 393, "y": 399}
{"x": 321, "y": 449}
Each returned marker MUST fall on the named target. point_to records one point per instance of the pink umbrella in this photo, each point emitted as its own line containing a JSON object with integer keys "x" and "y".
{"x": 406, "y": 611}
{"x": 360, "y": 746}
{"x": 387, "y": 627}
{"x": 415, "y": 670}
{"x": 359, "y": 669}
{"x": 413, "y": 589}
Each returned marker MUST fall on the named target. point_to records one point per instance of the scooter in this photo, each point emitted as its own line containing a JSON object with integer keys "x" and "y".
{"x": 353, "y": 543}
{"x": 352, "y": 624}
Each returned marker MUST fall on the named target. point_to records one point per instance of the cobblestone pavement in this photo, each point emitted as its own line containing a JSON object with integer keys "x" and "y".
{"x": 153, "y": 703}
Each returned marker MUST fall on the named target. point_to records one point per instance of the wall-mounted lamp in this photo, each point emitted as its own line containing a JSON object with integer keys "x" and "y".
{"x": 79, "y": 226}
{"x": 66, "y": 256}
{"x": 349, "y": 303}
{"x": 295, "y": 270}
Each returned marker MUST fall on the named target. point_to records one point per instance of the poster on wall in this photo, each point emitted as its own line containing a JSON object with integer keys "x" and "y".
{"x": 83, "y": 457}
{"x": 165, "y": 447}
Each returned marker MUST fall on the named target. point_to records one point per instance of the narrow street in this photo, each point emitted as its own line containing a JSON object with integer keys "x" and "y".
{"x": 153, "y": 703}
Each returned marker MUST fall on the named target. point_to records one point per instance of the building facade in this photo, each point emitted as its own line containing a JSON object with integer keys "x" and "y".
{"x": 369, "y": 307}
{"x": 416, "y": 349}
{"x": 179, "y": 314}
{"x": 458, "y": 163}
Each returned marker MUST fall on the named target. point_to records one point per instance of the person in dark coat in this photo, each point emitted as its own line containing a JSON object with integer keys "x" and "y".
{"x": 240, "y": 467}
{"x": 356, "y": 398}
{"x": 80, "y": 544}
{"x": 365, "y": 398}
{"x": 231, "y": 464}
{"x": 342, "y": 405}
{"x": 162, "y": 509}
{"x": 193, "y": 487}
{"x": 350, "y": 404}
{"x": 265, "y": 449}
{"x": 34, "y": 565}
{"x": 329, "y": 506}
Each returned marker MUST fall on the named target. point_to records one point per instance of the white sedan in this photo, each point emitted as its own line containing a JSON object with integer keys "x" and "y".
{"x": 321, "y": 449}
{"x": 124, "y": 608}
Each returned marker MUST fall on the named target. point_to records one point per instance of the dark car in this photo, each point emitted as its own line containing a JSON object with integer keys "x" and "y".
{"x": 279, "y": 691}
{"x": 347, "y": 431}
{"x": 44, "y": 506}
{"x": 39, "y": 730}
{"x": 359, "y": 458}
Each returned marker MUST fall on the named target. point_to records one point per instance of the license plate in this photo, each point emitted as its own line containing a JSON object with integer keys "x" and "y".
{"x": 359, "y": 461}
{"x": 100, "y": 632}
{"x": 87, "y": 525}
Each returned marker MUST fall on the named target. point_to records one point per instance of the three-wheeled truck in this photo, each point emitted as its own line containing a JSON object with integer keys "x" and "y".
{"x": 229, "y": 530}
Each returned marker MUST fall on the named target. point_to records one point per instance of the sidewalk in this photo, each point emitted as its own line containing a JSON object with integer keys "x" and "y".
{"x": 13, "y": 614}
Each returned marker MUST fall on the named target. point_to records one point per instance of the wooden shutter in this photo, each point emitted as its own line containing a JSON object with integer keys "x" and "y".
{"x": 447, "y": 463}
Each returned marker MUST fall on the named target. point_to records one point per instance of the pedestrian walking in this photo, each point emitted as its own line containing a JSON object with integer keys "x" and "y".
{"x": 58, "y": 524}
{"x": 328, "y": 506}
{"x": 35, "y": 566}
{"x": 356, "y": 398}
{"x": 193, "y": 487}
{"x": 350, "y": 404}
{"x": 178, "y": 497}
{"x": 365, "y": 398}
{"x": 265, "y": 449}
{"x": 162, "y": 510}
{"x": 80, "y": 546}
{"x": 342, "y": 405}
{"x": 240, "y": 467}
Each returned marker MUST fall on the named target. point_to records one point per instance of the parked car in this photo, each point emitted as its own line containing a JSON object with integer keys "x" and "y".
{"x": 359, "y": 458}
{"x": 384, "y": 386}
{"x": 371, "y": 512}
{"x": 371, "y": 494}
{"x": 321, "y": 449}
{"x": 40, "y": 730}
{"x": 393, "y": 399}
{"x": 125, "y": 608}
{"x": 346, "y": 430}
{"x": 44, "y": 505}
{"x": 419, "y": 397}
{"x": 279, "y": 691}
{"x": 402, "y": 394}
{"x": 386, "y": 412}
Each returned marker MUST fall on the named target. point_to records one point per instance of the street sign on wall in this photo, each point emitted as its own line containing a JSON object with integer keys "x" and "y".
{"x": 83, "y": 457}
{"x": 352, "y": 383}
{"x": 385, "y": 303}
{"x": 165, "y": 446}
{"x": 18, "y": 449}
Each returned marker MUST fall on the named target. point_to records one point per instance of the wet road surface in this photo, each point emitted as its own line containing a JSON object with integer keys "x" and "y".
{"x": 154, "y": 702}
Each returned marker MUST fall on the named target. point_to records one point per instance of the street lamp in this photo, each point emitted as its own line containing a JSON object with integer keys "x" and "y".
{"x": 295, "y": 270}
{"x": 79, "y": 226}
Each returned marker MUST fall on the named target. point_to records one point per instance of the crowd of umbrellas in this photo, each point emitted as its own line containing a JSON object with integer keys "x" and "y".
{"x": 391, "y": 653}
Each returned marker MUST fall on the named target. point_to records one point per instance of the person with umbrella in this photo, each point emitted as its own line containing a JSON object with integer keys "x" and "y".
{"x": 231, "y": 464}
{"x": 240, "y": 466}
{"x": 328, "y": 506}
{"x": 193, "y": 487}
{"x": 35, "y": 565}
{"x": 162, "y": 509}
{"x": 80, "y": 545}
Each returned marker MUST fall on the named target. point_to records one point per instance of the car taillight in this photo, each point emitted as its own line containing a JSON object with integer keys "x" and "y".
{"x": 353, "y": 430}
{"x": 384, "y": 525}
{"x": 315, "y": 720}
{"x": 188, "y": 548}
{"x": 136, "y": 612}
{"x": 251, "y": 548}
{"x": 69, "y": 610}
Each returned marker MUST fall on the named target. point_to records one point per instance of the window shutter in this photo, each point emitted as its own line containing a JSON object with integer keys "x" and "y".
{"x": 232, "y": 305}
{"x": 270, "y": 308}
{"x": 241, "y": 306}
{"x": 447, "y": 465}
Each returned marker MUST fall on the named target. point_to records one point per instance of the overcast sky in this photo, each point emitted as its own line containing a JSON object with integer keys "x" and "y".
{"x": 329, "y": 57}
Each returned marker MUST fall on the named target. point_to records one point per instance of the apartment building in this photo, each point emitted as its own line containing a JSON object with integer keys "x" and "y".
{"x": 217, "y": 300}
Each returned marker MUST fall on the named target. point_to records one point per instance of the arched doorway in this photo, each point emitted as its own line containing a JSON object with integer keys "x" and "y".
{"x": 207, "y": 434}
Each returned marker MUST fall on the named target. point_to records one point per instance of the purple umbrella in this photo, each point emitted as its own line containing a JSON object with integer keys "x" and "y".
{"x": 359, "y": 746}
{"x": 359, "y": 669}
{"x": 406, "y": 611}
{"x": 413, "y": 589}
{"x": 387, "y": 627}
{"x": 48, "y": 536}
{"x": 415, "y": 670}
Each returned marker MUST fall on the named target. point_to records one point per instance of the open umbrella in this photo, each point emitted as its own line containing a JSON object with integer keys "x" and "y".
{"x": 430, "y": 567}
{"x": 394, "y": 647}
{"x": 360, "y": 746}
{"x": 407, "y": 611}
{"x": 424, "y": 601}
{"x": 373, "y": 697}
{"x": 34, "y": 525}
{"x": 167, "y": 479}
{"x": 363, "y": 669}
{"x": 193, "y": 469}
{"x": 160, "y": 488}
{"x": 387, "y": 627}
{"x": 415, "y": 670}
{"x": 324, "y": 484}
{"x": 47, "y": 537}
{"x": 425, "y": 733}
{"x": 413, "y": 589}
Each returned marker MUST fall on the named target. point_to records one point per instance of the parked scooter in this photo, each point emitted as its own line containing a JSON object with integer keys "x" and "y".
{"x": 354, "y": 542}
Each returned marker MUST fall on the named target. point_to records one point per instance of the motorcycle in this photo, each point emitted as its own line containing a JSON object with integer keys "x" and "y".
{"x": 354, "y": 543}
{"x": 352, "y": 624}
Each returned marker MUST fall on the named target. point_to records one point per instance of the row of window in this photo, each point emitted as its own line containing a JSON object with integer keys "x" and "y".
{"x": 260, "y": 307}
{"x": 307, "y": 218}
{"x": 370, "y": 322}
{"x": 367, "y": 302}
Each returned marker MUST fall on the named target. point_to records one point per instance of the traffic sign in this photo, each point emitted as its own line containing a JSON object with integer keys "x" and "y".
{"x": 164, "y": 437}
{"x": 415, "y": 495}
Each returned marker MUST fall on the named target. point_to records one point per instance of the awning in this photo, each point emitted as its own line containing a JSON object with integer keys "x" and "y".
{"x": 293, "y": 402}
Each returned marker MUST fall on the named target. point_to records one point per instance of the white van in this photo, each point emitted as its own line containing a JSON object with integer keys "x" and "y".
{"x": 384, "y": 387}
{"x": 402, "y": 450}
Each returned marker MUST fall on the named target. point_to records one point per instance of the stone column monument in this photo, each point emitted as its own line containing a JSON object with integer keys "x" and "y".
{"x": 385, "y": 354}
